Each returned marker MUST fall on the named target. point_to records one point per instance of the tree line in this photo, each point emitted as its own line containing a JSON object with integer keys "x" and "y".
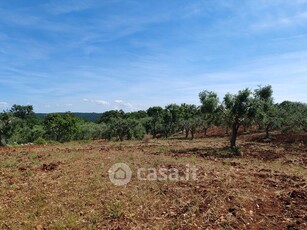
{"x": 247, "y": 109}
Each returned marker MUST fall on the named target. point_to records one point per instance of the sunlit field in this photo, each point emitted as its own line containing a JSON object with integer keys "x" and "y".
{"x": 66, "y": 186}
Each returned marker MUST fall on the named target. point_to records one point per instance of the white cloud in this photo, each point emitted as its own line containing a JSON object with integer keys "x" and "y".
{"x": 129, "y": 105}
{"x": 98, "y": 102}
{"x": 101, "y": 102}
{"x": 3, "y": 104}
{"x": 116, "y": 104}
{"x": 120, "y": 104}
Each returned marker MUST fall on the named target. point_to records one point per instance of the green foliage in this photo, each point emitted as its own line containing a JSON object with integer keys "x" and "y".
{"x": 188, "y": 111}
{"x": 156, "y": 115}
{"x": 137, "y": 130}
{"x": 239, "y": 108}
{"x": 37, "y": 132}
{"x": 90, "y": 117}
{"x": 209, "y": 108}
{"x": 21, "y": 132}
{"x": 190, "y": 119}
{"x": 40, "y": 141}
{"x": 136, "y": 115}
{"x": 22, "y": 111}
{"x": 293, "y": 116}
{"x": 118, "y": 128}
{"x": 125, "y": 128}
{"x": 6, "y": 127}
{"x": 223, "y": 117}
{"x": 61, "y": 127}
{"x": 267, "y": 113}
{"x": 121, "y": 125}
{"x": 167, "y": 123}
{"x": 106, "y": 117}
{"x": 24, "y": 133}
{"x": 25, "y": 126}
{"x": 264, "y": 93}
{"x": 90, "y": 131}
{"x": 193, "y": 124}
{"x": 26, "y": 114}
{"x": 209, "y": 101}
{"x": 20, "y": 124}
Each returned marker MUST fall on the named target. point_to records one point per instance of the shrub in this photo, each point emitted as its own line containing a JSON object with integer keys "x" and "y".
{"x": 40, "y": 141}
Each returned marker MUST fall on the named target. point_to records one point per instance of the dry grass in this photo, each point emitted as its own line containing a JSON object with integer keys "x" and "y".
{"x": 67, "y": 186}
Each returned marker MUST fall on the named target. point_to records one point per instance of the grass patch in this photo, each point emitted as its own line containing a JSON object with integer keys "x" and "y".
{"x": 9, "y": 163}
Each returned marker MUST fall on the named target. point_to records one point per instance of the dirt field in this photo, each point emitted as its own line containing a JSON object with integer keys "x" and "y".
{"x": 66, "y": 186}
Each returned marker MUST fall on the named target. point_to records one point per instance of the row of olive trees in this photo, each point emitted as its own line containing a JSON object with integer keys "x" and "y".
{"x": 242, "y": 109}
{"x": 245, "y": 109}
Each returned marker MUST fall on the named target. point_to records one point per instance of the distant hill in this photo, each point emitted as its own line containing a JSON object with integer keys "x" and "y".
{"x": 85, "y": 116}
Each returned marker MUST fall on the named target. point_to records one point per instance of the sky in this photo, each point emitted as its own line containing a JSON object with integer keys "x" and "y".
{"x": 98, "y": 55}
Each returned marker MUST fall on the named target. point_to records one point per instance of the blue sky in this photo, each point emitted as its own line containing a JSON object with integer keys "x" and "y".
{"x": 97, "y": 55}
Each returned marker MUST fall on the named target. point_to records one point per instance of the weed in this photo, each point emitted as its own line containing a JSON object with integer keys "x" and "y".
{"x": 9, "y": 163}
{"x": 114, "y": 209}
{"x": 34, "y": 158}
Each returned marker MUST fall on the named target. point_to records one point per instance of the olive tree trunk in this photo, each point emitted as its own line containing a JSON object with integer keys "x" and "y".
{"x": 267, "y": 132}
{"x": 235, "y": 128}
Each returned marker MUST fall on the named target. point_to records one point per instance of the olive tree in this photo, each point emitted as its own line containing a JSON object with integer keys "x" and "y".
{"x": 171, "y": 118}
{"x": 293, "y": 116}
{"x": 125, "y": 128}
{"x": 240, "y": 107}
{"x": 209, "y": 108}
{"x": 112, "y": 114}
{"x": 187, "y": 114}
{"x": 223, "y": 118}
{"x": 267, "y": 113}
{"x": 193, "y": 124}
{"x": 156, "y": 115}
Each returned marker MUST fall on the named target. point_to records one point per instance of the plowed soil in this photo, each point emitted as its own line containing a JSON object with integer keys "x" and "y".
{"x": 66, "y": 186}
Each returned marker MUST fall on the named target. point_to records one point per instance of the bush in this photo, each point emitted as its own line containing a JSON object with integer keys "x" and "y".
{"x": 136, "y": 131}
{"x": 23, "y": 134}
{"x": 40, "y": 141}
{"x": 90, "y": 131}
{"x": 61, "y": 127}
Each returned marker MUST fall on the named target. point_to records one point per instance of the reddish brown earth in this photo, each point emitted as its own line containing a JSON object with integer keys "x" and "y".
{"x": 66, "y": 186}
